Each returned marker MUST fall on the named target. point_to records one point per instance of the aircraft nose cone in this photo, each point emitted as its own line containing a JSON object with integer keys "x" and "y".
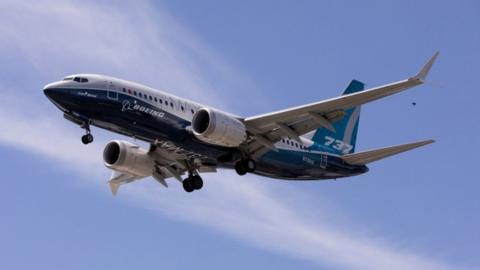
{"x": 53, "y": 88}
{"x": 48, "y": 91}
{"x": 57, "y": 96}
{"x": 52, "y": 93}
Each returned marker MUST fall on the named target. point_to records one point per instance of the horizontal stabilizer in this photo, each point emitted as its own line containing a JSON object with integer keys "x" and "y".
{"x": 366, "y": 157}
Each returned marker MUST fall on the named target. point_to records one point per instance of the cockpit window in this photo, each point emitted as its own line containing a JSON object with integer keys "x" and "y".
{"x": 80, "y": 79}
{"x": 68, "y": 78}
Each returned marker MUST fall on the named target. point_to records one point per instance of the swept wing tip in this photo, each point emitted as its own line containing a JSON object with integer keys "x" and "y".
{"x": 114, "y": 187}
{"x": 428, "y": 142}
{"x": 422, "y": 75}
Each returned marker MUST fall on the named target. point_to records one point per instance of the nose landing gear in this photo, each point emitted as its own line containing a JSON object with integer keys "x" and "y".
{"x": 88, "y": 137}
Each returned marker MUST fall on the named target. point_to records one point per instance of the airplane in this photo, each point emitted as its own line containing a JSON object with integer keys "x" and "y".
{"x": 315, "y": 141}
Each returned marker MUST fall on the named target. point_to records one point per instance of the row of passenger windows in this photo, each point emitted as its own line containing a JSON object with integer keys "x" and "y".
{"x": 161, "y": 101}
{"x": 158, "y": 100}
{"x": 294, "y": 144}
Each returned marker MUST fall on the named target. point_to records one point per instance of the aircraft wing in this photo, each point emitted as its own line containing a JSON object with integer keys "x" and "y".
{"x": 169, "y": 162}
{"x": 271, "y": 127}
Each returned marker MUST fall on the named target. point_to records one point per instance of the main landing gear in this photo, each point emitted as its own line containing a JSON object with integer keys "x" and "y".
{"x": 192, "y": 182}
{"x": 244, "y": 166}
{"x": 88, "y": 137}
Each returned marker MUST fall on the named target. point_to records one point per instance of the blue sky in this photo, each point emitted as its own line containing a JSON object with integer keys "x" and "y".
{"x": 417, "y": 210}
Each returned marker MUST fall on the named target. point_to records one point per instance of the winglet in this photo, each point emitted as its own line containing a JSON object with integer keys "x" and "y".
{"x": 422, "y": 75}
{"x": 114, "y": 187}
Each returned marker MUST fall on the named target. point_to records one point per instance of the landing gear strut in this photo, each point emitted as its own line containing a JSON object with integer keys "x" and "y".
{"x": 244, "y": 166}
{"x": 192, "y": 182}
{"x": 88, "y": 137}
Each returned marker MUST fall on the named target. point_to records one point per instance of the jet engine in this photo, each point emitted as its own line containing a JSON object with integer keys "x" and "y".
{"x": 218, "y": 128}
{"x": 127, "y": 158}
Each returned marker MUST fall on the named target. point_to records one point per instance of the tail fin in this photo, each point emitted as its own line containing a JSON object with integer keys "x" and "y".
{"x": 341, "y": 140}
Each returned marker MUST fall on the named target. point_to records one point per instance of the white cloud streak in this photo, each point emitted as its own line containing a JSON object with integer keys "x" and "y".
{"x": 55, "y": 36}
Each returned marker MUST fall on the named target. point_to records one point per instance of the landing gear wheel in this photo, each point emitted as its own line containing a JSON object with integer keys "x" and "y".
{"x": 188, "y": 185}
{"x": 197, "y": 182}
{"x": 239, "y": 168}
{"x": 249, "y": 165}
{"x": 87, "y": 138}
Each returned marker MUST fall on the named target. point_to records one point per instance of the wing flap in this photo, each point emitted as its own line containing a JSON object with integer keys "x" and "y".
{"x": 366, "y": 157}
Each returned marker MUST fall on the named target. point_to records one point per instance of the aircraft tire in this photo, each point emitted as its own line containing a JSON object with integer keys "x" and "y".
{"x": 249, "y": 165}
{"x": 87, "y": 138}
{"x": 197, "y": 182}
{"x": 239, "y": 168}
{"x": 188, "y": 185}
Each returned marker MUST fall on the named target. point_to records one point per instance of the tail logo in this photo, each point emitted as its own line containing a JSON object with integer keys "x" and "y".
{"x": 338, "y": 144}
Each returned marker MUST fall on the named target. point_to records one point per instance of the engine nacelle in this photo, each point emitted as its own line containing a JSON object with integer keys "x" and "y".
{"x": 218, "y": 128}
{"x": 128, "y": 158}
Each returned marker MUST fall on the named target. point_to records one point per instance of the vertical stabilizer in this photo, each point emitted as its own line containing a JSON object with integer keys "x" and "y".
{"x": 342, "y": 139}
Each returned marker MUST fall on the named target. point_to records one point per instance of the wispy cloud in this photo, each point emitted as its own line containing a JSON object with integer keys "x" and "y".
{"x": 153, "y": 48}
{"x": 74, "y": 36}
{"x": 251, "y": 210}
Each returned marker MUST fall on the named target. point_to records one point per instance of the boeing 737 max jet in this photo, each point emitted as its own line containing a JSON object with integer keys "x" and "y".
{"x": 313, "y": 141}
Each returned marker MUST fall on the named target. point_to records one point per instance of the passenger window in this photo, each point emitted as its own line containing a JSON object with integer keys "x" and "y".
{"x": 123, "y": 89}
{"x": 145, "y": 96}
{"x": 150, "y": 97}
{"x": 134, "y": 93}
{"x": 156, "y": 100}
{"x": 183, "y": 109}
{"x": 171, "y": 104}
{"x": 129, "y": 91}
{"x": 192, "y": 111}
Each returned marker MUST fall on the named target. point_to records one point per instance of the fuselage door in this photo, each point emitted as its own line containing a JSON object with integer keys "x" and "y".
{"x": 323, "y": 161}
{"x": 112, "y": 91}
